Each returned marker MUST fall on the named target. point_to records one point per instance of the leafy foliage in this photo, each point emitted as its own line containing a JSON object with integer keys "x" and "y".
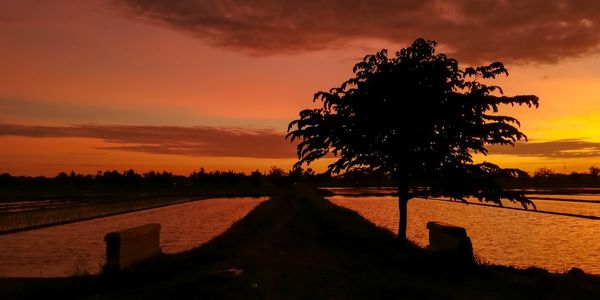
{"x": 418, "y": 117}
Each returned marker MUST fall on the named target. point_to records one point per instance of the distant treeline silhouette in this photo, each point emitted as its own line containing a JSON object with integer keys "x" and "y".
{"x": 542, "y": 177}
{"x": 163, "y": 179}
{"x": 545, "y": 177}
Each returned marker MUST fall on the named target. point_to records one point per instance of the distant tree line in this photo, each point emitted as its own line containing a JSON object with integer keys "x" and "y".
{"x": 132, "y": 179}
{"x": 199, "y": 178}
{"x": 542, "y": 177}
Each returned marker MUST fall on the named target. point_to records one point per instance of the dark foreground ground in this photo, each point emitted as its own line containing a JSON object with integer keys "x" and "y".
{"x": 300, "y": 246}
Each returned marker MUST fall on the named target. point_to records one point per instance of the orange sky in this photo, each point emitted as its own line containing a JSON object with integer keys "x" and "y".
{"x": 223, "y": 75}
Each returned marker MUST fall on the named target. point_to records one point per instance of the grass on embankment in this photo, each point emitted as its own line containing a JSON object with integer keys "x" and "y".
{"x": 299, "y": 246}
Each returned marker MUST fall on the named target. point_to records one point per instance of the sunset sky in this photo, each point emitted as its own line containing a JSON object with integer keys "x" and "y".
{"x": 89, "y": 85}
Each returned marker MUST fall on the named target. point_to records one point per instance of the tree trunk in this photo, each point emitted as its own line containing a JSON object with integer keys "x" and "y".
{"x": 403, "y": 206}
{"x": 403, "y": 197}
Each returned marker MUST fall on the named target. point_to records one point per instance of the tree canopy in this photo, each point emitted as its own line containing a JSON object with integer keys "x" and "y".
{"x": 418, "y": 117}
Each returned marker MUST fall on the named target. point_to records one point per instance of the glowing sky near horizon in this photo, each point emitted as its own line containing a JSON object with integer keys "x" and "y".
{"x": 150, "y": 84}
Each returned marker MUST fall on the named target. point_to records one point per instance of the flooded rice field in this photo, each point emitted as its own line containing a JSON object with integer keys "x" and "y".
{"x": 499, "y": 236}
{"x": 79, "y": 248}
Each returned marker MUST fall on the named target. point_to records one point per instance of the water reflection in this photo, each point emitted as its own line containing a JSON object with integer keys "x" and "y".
{"x": 499, "y": 236}
{"x": 79, "y": 247}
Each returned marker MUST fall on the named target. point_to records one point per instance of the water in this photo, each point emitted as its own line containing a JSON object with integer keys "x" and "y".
{"x": 79, "y": 248}
{"x": 500, "y": 236}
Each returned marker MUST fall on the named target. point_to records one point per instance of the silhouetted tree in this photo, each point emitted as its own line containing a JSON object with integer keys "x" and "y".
{"x": 543, "y": 172}
{"x": 276, "y": 175}
{"x": 594, "y": 171}
{"x": 295, "y": 174}
{"x": 163, "y": 178}
{"x": 419, "y": 118}
{"x": 199, "y": 177}
{"x": 256, "y": 177}
{"x": 7, "y": 180}
{"x": 132, "y": 178}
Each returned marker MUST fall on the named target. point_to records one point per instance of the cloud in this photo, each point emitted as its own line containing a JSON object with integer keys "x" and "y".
{"x": 188, "y": 141}
{"x": 516, "y": 31}
{"x": 554, "y": 149}
{"x": 208, "y": 141}
{"x": 82, "y": 112}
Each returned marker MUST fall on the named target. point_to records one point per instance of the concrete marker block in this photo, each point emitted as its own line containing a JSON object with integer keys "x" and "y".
{"x": 127, "y": 247}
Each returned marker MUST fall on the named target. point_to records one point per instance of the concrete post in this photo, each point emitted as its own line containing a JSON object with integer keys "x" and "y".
{"x": 129, "y": 246}
{"x": 450, "y": 239}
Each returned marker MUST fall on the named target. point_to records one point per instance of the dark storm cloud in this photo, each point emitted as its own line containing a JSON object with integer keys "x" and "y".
{"x": 188, "y": 141}
{"x": 542, "y": 31}
{"x": 552, "y": 149}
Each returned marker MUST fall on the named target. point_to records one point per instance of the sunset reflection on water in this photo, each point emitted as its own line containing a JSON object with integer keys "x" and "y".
{"x": 499, "y": 236}
{"x": 79, "y": 247}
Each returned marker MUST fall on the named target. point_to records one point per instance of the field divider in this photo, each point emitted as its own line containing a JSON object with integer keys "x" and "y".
{"x": 590, "y": 217}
